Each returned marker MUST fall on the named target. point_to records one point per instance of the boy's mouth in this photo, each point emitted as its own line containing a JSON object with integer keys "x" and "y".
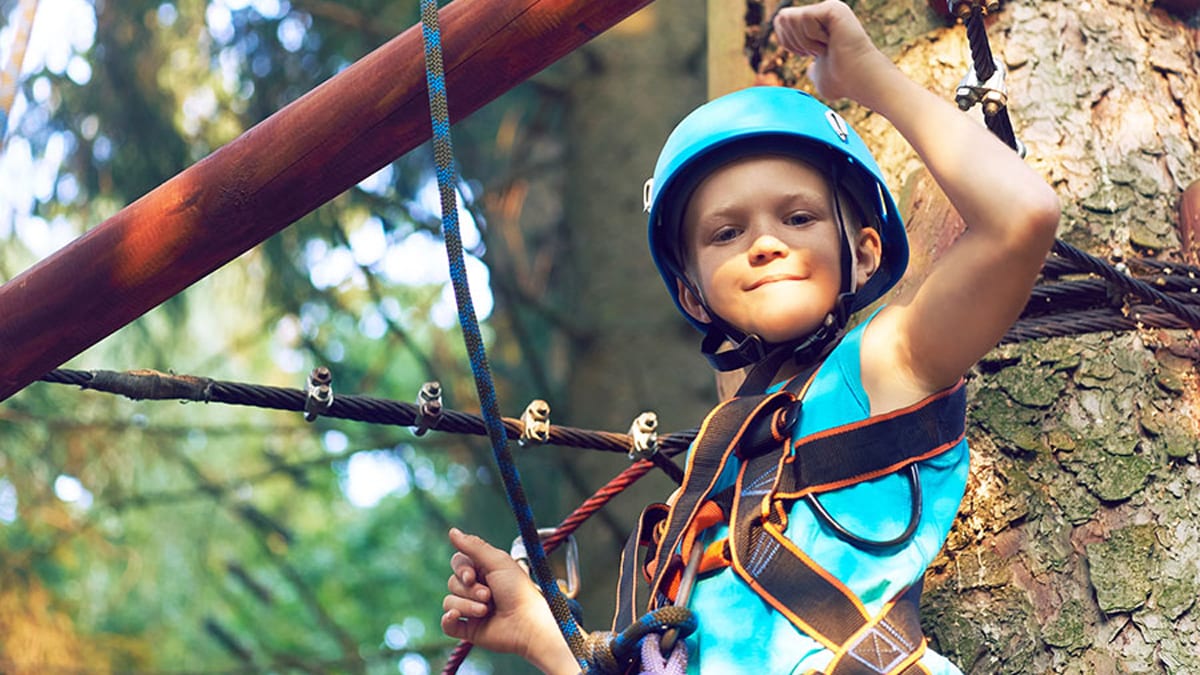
{"x": 772, "y": 278}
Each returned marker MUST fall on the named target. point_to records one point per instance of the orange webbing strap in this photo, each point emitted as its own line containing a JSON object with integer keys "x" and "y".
{"x": 710, "y": 514}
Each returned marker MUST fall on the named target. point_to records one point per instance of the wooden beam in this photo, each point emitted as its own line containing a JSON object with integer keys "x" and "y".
{"x": 278, "y": 171}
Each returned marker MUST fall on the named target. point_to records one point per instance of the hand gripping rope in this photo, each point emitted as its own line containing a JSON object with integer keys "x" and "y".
{"x": 447, "y": 178}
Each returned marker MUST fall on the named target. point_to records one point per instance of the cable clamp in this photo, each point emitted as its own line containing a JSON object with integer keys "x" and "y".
{"x": 992, "y": 94}
{"x": 961, "y": 9}
{"x": 318, "y": 393}
{"x": 429, "y": 407}
{"x": 535, "y": 423}
{"x": 568, "y": 586}
{"x": 643, "y": 435}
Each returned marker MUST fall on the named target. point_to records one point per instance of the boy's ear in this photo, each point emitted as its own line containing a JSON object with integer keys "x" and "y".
{"x": 690, "y": 303}
{"x": 869, "y": 252}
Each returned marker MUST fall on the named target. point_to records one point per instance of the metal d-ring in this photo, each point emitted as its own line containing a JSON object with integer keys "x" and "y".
{"x": 914, "y": 480}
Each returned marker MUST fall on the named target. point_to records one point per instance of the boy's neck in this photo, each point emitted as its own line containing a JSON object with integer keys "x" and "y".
{"x": 729, "y": 382}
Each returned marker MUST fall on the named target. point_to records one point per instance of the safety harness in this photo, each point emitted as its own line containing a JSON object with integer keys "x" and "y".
{"x": 773, "y": 472}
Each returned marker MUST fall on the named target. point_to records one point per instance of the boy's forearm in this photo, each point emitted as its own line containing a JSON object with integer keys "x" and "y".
{"x": 985, "y": 180}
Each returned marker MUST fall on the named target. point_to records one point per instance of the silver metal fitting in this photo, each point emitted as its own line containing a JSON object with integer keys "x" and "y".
{"x": 535, "y": 421}
{"x": 644, "y": 435}
{"x": 568, "y": 586}
{"x": 960, "y": 9}
{"x": 318, "y": 393}
{"x": 993, "y": 93}
{"x": 429, "y": 407}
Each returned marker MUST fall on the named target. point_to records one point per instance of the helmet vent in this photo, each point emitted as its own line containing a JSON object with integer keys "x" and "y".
{"x": 647, "y": 194}
{"x": 839, "y": 125}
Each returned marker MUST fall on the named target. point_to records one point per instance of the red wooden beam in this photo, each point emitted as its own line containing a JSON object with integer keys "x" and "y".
{"x": 273, "y": 174}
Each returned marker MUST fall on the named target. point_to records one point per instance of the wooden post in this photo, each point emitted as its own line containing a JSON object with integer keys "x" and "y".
{"x": 1189, "y": 223}
{"x": 273, "y": 174}
{"x": 728, "y": 70}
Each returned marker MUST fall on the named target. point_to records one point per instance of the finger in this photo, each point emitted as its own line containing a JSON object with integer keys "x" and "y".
{"x": 464, "y": 568}
{"x": 455, "y": 625}
{"x": 466, "y": 607}
{"x": 814, "y": 33}
{"x": 487, "y": 558}
{"x": 793, "y": 27}
{"x": 478, "y": 592}
{"x": 787, "y": 39}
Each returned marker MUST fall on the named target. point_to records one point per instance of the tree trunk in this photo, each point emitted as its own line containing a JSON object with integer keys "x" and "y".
{"x": 1076, "y": 548}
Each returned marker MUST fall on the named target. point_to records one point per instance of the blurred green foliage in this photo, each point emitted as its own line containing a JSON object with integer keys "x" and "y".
{"x": 160, "y": 537}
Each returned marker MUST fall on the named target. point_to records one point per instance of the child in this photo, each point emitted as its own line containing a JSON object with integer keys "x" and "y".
{"x": 771, "y": 224}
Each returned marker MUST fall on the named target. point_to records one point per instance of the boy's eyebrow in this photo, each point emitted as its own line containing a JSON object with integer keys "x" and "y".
{"x": 805, "y": 196}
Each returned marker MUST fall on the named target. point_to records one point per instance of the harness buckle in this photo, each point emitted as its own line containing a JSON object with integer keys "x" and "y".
{"x": 318, "y": 393}
{"x": 568, "y": 586}
{"x": 644, "y": 436}
{"x": 770, "y": 430}
{"x": 535, "y": 423}
{"x": 429, "y": 407}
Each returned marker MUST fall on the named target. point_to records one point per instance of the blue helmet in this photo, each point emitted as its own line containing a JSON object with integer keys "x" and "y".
{"x": 770, "y": 120}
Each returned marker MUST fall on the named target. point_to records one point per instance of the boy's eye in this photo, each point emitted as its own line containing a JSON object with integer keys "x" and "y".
{"x": 798, "y": 219}
{"x": 725, "y": 234}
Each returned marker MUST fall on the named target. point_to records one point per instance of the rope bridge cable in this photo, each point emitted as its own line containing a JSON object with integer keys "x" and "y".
{"x": 153, "y": 385}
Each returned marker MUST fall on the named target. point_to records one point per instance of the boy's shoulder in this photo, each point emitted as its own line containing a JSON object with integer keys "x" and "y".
{"x": 886, "y": 360}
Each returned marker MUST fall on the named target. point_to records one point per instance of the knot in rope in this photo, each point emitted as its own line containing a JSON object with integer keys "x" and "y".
{"x": 612, "y": 653}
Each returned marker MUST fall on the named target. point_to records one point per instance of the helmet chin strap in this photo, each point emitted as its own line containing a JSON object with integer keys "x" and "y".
{"x": 767, "y": 358}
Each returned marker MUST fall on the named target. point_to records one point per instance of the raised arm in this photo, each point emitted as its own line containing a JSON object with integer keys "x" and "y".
{"x": 935, "y": 332}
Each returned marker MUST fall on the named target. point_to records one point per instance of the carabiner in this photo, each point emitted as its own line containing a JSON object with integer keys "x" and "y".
{"x": 914, "y": 517}
{"x": 568, "y": 586}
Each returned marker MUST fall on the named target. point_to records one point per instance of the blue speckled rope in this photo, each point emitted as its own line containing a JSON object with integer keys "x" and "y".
{"x": 447, "y": 178}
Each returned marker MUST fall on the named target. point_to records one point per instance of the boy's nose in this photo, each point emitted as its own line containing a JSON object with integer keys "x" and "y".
{"x": 767, "y": 247}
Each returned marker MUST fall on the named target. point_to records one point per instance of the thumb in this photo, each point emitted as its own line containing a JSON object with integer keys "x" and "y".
{"x": 487, "y": 558}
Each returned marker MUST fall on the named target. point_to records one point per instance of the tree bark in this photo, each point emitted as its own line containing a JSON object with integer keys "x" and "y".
{"x": 1076, "y": 548}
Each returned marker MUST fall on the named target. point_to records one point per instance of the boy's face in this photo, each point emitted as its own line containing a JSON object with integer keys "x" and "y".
{"x": 762, "y": 244}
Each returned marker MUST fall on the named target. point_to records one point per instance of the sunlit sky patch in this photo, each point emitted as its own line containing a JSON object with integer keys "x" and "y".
{"x": 8, "y": 501}
{"x": 70, "y": 490}
{"x": 374, "y": 474}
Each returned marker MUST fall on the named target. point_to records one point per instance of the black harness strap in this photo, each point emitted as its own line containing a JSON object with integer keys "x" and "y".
{"x": 879, "y": 445}
{"x": 627, "y": 604}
